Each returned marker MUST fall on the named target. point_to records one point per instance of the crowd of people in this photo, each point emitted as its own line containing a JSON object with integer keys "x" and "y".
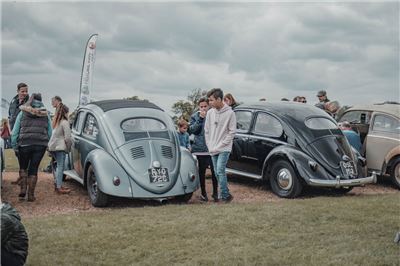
{"x": 30, "y": 131}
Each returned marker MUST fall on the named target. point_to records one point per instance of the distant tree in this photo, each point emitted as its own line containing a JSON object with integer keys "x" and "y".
{"x": 135, "y": 98}
{"x": 185, "y": 108}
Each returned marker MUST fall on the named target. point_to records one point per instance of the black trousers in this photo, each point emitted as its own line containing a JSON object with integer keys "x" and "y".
{"x": 29, "y": 158}
{"x": 204, "y": 162}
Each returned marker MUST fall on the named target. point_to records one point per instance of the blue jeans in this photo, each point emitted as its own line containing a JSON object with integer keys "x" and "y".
{"x": 219, "y": 163}
{"x": 60, "y": 158}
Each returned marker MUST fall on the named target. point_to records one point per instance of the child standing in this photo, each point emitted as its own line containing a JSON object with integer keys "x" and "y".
{"x": 182, "y": 133}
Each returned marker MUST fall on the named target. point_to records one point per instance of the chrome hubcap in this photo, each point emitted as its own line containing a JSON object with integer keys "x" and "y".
{"x": 397, "y": 173}
{"x": 285, "y": 179}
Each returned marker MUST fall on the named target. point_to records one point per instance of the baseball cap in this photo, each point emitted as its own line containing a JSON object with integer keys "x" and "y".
{"x": 321, "y": 93}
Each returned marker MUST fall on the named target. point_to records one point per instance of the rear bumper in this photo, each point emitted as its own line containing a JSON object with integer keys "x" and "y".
{"x": 337, "y": 183}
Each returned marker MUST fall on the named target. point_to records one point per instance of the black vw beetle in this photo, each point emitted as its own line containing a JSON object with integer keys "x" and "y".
{"x": 292, "y": 145}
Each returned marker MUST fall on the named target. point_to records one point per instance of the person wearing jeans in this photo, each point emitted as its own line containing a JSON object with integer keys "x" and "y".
{"x": 219, "y": 131}
{"x": 30, "y": 136}
{"x": 199, "y": 148}
{"x": 60, "y": 143}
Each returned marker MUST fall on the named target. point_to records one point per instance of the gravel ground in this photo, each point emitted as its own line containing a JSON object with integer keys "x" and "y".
{"x": 244, "y": 191}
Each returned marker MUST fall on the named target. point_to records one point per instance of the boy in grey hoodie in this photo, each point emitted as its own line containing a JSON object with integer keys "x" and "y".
{"x": 219, "y": 131}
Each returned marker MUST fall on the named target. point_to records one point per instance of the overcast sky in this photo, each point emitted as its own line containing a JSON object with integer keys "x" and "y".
{"x": 162, "y": 51}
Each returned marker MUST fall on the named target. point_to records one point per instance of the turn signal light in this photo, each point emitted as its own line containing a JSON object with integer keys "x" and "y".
{"x": 116, "y": 181}
{"x": 313, "y": 165}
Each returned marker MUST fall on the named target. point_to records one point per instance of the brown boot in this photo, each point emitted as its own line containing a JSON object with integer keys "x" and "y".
{"x": 23, "y": 184}
{"x": 18, "y": 181}
{"x": 63, "y": 190}
{"x": 32, "y": 179}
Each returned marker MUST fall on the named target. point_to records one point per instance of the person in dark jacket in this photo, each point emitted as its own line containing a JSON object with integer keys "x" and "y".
{"x": 19, "y": 99}
{"x": 14, "y": 239}
{"x": 199, "y": 148}
{"x": 13, "y": 111}
{"x": 31, "y": 134}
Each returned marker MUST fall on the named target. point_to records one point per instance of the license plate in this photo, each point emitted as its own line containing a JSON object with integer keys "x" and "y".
{"x": 348, "y": 168}
{"x": 158, "y": 175}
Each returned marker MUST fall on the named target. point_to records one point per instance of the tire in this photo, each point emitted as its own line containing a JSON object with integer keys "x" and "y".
{"x": 96, "y": 196}
{"x": 184, "y": 198}
{"x": 54, "y": 169}
{"x": 395, "y": 172}
{"x": 284, "y": 181}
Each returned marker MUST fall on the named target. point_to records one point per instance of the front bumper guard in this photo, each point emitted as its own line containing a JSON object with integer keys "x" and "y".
{"x": 337, "y": 183}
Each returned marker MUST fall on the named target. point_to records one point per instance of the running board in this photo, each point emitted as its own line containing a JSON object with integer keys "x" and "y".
{"x": 237, "y": 172}
{"x": 74, "y": 175}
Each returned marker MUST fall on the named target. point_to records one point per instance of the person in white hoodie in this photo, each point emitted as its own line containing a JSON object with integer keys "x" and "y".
{"x": 219, "y": 131}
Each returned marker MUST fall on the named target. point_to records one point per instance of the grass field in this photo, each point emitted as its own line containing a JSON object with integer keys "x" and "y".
{"x": 355, "y": 230}
{"x": 12, "y": 162}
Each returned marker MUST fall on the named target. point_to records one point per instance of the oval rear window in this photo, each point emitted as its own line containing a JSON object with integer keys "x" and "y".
{"x": 142, "y": 124}
{"x": 320, "y": 123}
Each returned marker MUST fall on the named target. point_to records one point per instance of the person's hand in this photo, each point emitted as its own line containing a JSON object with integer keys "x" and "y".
{"x": 203, "y": 114}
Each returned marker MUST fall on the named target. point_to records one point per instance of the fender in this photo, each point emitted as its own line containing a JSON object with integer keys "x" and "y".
{"x": 106, "y": 168}
{"x": 389, "y": 156}
{"x": 298, "y": 159}
{"x": 189, "y": 168}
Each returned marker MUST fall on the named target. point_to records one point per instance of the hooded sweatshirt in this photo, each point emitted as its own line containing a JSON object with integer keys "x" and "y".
{"x": 220, "y": 129}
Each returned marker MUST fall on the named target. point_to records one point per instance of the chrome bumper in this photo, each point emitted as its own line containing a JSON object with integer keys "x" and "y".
{"x": 337, "y": 183}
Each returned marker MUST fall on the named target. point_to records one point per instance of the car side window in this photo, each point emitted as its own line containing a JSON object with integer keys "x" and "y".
{"x": 90, "y": 129}
{"x": 243, "y": 120}
{"x": 356, "y": 117}
{"x": 78, "y": 122}
{"x": 268, "y": 125}
{"x": 386, "y": 123}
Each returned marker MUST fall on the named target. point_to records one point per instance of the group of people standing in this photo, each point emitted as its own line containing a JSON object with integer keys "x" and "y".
{"x": 32, "y": 133}
{"x": 213, "y": 127}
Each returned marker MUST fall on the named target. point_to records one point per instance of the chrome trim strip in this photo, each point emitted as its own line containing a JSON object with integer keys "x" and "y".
{"x": 383, "y": 137}
{"x": 238, "y": 172}
{"x": 342, "y": 183}
{"x": 262, "y": 138}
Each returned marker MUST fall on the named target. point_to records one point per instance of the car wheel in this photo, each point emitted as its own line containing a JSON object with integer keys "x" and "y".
{"x": 184, "y": 198}
{"x": 54, "y": 169}
{"x": 284, "y": 180}
{"x": 395, "y": 172}
{"x": 97, "y": 197}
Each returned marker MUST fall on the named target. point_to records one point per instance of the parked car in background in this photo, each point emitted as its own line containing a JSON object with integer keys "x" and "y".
{"x": 379, "y": 129}
{"x": 292, "y": 145}
{"x": 129, "y": 149}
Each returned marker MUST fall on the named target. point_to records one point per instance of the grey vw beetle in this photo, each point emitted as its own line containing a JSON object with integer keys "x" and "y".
{"x": 129, "y": 149}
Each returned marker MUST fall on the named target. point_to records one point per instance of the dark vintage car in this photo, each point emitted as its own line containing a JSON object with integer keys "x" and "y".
{"x": 292, "y": 145}
{"x": 129, "y": 149}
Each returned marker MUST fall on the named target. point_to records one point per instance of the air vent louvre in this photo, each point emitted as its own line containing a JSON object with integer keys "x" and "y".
{"x": 137, "y": 152}
{"x": 166, "y": 151}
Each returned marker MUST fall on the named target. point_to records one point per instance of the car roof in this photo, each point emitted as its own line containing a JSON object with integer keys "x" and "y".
{"x": 108, "y": 105}
{"x": 293, "y": 110}
{"x": 393, "y": 109}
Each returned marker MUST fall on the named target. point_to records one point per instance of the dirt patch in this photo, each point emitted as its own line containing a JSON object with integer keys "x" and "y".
{"x": 244, "y": 190}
